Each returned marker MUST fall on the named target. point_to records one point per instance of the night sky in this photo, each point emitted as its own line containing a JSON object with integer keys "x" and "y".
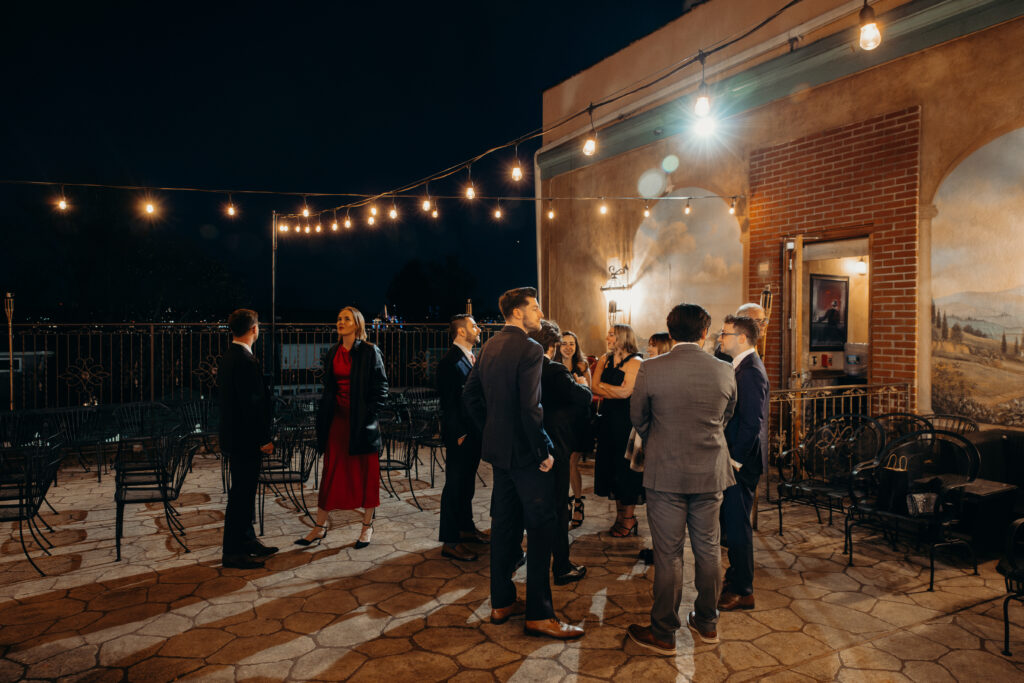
{"x": 308, "y": 97}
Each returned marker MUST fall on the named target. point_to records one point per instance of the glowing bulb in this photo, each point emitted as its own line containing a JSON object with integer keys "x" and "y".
{"x": 647, "y": 212}
{"x": 318, "y": 228}
{"x": 231, "y": 209}
{"x": 348, "y": 223}
{"x": 470, "y": 192}
{"x": 283, "y": 228}
{"x": 393, "y": 213}
{"x": 426, "y": 205}
{"x": 732, "y": 207}
{"x": 703, "y": 105}
{"x": 686, "y": 209}
{"x": 497, "y": 213}
{"x": 62, "y": 205}
{"x": 370, "y": 220}
{"x": 590, "y": 146}
{"x": 551, "y": 214}
{"x": 870, "y": 36}
{"x": 517, "y": 173}
{"x": 603, "y": 209}
{"x": 861, "y": 268}
{"x": 705, "y": 126}
{"x": 150, "y": 208}
{"x": 434, "y": 213}
{"x": 334, "y": 226}
{"x": 307, "y": 229}
{"x": 373, "y": 210}
{"x": 305, "y": 212}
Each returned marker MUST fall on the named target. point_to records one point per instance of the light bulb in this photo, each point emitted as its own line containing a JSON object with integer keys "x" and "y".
{"x": 551, "y": 214}
{"x": 703, "y": 105}
{"x": 603, "y": 209}
{"x": 334, "y": 226}
{"x": 517, "y": 173}
{"x": 861, "y": 268}
{"x": 62, "y": 205}
{"x": 318, "y": 228}
{"x": 370, "y": 220}
{"x": 348, "y": 223}
{"x": 283, "y": 228}
{"x": 686, "y": 209}
{"x": 590, "y": 146}
{"x": 393, "y": 213}
{"x": 426, "y": 205}
{"x": 497, "y": 213}
{"x": 470, "y": 192}
{"x": 434, "y": 213}
{"x": 732, "y": 208}
{"x": 150, "y": 208}
{"x": 307, "y": 229}
{"x": 231, "y": 209}
{"x": 647, "y": 212}
{"x": 870, "y": 36}
{"x": 373, "y": 210}
{"x": 305, "y": 212}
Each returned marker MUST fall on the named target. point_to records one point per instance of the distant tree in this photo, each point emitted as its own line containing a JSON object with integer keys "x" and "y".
{"x": 945, "y": 328}
{"x": 935, "y": 314}
{"x": 1002, "y": 346}
{"x": 1016, "y": 346}
{"x": 957, "y": 333}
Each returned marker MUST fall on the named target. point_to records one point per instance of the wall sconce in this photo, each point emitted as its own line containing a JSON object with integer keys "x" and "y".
{"x": 616, "y": 294}
{"x": 860, "y": 267}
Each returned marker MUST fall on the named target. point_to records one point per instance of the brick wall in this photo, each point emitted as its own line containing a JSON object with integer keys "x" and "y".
{"x": 862, "y": 177}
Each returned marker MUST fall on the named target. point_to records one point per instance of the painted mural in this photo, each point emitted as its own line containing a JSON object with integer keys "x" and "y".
{"x": 978, "y": 286}
{"x": 696, "y": 258}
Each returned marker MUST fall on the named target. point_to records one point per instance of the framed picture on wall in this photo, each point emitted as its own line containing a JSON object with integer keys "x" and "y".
{"x": 830, "y": 298}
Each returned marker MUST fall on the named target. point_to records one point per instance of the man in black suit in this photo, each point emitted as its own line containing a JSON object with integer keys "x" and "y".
{"x": 502, "y": 397}
{"x": 461, "y": 444}
{"x": 245, "y": 416}
{"x": 743, "y": 435}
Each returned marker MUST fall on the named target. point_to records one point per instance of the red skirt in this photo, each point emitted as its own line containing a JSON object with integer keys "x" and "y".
{"x": 349, "y": 481}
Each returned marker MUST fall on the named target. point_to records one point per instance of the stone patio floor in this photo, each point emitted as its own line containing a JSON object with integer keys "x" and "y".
{"x": 397, "y": 611}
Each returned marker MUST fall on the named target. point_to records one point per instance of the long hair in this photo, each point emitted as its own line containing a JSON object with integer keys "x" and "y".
{"x": 661, "y": 341}
{"x": 625, "y": 339}
{"x": 577, "y": 356}
{"x": 360, "y": 321}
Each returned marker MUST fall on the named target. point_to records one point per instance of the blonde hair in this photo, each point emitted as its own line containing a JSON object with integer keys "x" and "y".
{"x": 625, "y": 339}
{"x": 661, "y": 341}
{"x": 360, "y": 321}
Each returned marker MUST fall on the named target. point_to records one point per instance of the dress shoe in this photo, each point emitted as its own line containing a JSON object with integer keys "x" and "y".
{"x": 259, "y": 550}
{"x": 500, "y": 615}
{"x": 642, "y": 636}
{"x": 306, "y": 541}
{"x": 710, "y": 637}
{"x": 457, "y": 551}
{"x": 475, "y": 536}
{"x": 575, "y": 573}
{"x": 241, "y": 562}
{"x": 730, "y": 601}
{"x": 364, "y": 537}
{"x": 552, "y": 628}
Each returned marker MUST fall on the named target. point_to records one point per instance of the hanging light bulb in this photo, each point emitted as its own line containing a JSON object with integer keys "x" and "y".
{"x": 732, "y": 207}
{"x": 231, "y": 207}
{"x": 603, "y": 209}
{"x": 370, "y": 220}
{"x": 393, "y": 213}
{"x": 497, "y": 213}
{"x": 334, "y": 226}
{"x": 426, "y": 205}
{"x": 283, "y": 227}
{"x": 307, "y": 229}
{"x": 62, "y": 204}
{"x": 590, "y": 144}
{"x": 647, "y": 212}
{"x": 305, "y": 212}
{"x": 470, "y": 192}
{"x": 150, "y": 209}
{"x": 686, "y": 209}
{"x": 373, "y": 210}
{"x": 348, "y": 222}
{"x": 517, "y": 172}
{"x": 551, "y": 214}
{"x": 703, "y": 105}
{"x": 433, "y": 213}
{"x": 870, "y": 36}
{"x": 318, "y": 228}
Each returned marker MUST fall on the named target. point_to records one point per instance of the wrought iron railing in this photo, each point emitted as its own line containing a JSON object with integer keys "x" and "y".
{"x": 72, "y": 365}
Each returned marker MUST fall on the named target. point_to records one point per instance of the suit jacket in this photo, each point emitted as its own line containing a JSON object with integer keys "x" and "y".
{"x": 502, "y": 398}
{"x": 680, "y": 405}
{"x": 563, "y": 399}
{"x": 245, "y": 409}
{"x": 743, "y": 432}
{"x": 452, "y": 372}
{"x": 368, "y": 393}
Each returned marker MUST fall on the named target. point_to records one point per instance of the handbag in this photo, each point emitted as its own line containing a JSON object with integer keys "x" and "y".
{"x": 635, "y": 451}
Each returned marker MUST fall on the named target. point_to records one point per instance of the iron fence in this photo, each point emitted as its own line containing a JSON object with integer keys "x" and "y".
{"x": 92, "y": 364}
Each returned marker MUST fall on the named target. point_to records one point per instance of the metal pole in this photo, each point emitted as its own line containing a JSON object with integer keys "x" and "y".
{"x": 273, "y": 301}
{"x": 9, "y": 309}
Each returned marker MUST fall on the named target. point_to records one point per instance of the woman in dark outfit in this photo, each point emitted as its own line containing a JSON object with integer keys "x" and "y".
{"x": 355, "y": 389}
{"x": 613, "y": 382}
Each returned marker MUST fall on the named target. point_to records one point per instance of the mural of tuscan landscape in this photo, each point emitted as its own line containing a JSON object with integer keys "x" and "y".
{"x": 978, "y": 286}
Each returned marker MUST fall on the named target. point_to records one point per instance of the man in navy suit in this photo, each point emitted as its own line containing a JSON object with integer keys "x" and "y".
{"x": 502, "y": 396}
{"x": 743, "y": 435}
{"x": 461, "y": 444}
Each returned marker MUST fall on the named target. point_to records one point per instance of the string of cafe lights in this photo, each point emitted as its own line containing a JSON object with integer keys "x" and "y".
{"x": 870, "y": 38}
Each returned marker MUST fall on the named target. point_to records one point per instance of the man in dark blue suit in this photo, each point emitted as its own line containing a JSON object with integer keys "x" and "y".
{"x": 743, "y": 436}
{"x": 461, "y": 444}
{"x": 502, "y": 396}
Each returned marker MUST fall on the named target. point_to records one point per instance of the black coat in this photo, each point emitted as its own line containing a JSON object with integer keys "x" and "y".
{"x": 245, "y": 411}
{"x": 452, "y": 371}
{"x": 745, "y": 429}
{"x": 369, "y": 392}
{"x": 564, "y": 400}
{"x": 502, "y": 397}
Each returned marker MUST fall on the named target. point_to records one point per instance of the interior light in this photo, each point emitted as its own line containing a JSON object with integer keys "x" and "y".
{"x": 870, "y": 36}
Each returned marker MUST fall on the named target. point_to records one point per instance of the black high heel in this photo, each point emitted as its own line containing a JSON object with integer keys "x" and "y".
{"x": 316, "y": 541}
{"x": 363, "y": 544}
{"x": 577, "y": 506}
{"x": 620, "y": 530}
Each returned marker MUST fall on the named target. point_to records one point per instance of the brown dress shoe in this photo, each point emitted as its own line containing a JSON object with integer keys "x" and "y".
{"x": 552, "y": 628}
{"x": 730, "y": 601}
{"x": 705, "y": 636}
{"x": 476, "y": 536}
{"x": 642, "y": 636}
{"x": 500, "y": 615}
{"x": 457, "y": 551}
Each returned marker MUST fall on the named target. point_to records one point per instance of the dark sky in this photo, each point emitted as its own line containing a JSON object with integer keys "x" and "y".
{"x": 306, "y": 97}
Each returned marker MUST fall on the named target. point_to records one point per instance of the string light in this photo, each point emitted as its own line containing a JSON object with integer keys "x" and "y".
{"x": 334, "y": 226}
{"x": 703, "y": 105}
{"x": 283, "y": 227}
{"x": 305, "y": 212}
{"x": 686, "y": 209}
{"x": 470, "y": 190}
{"x": 870, "y": 36}
{"x": 149, "y": 208}
{"x": 590, "y": 144}
{"x": 603, "y": 208}
{"x": 318, "y": 228}
{"x": 732, "y": 207}
{"x": 517, "y": 171}
{"x": 433, "y": 213}
{"x": 231, "y": 207}
{"x": 426, "y": 205}
{"x": 497, "y": 213}
{"x": 370, "y": 220}
{"x": 551, "y": 213}
{"x": 307, "y": 229}
{"x": 393, "y": 213}
{"x": 348, "y": 222}
{"x": 373, "y": 210}
{"x": 62, "y": 204}
{"x": 647, "y": 211}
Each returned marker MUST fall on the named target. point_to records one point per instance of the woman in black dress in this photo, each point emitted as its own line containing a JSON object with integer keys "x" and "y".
{"x": 571, "y": 356}
{"x": 613, "y": 382}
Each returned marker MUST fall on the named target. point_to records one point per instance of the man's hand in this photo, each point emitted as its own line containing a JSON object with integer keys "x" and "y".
{"x": 267, "y": 448}
{"x": 547, "y": 464}
{"x": 461, "y": 439}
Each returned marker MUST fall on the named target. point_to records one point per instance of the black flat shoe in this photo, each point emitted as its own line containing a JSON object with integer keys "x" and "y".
{"x": 305, "y": 542}
{"x": 260, "y": 550}
{"x": 577, "y": 572}
{"x": 241, "y": 562}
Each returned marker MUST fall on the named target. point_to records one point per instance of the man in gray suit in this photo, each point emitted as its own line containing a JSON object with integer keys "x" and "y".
{"x": 681, "y": 403}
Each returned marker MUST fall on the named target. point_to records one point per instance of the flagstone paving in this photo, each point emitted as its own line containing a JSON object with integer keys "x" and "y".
{"x": 398, "y": 611}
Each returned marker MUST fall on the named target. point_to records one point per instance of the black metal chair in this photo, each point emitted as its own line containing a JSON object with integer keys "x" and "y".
{"x": 400, "y": 441}
{"x": 953, "y": 423}
{"x": 817, "y": 472}
{"x": 80, "y": 430}
{"x": 26, "y": 473}
{"x": 1011, "y": 566}
{"x": 152, "y": 470}
{"x": 897, "y": 425}
{"x": 145, "y": 419}
{"x": 288, "y": 468}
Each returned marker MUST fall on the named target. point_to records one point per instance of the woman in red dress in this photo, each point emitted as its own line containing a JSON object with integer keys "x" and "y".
{"x": 355, "y": 389}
